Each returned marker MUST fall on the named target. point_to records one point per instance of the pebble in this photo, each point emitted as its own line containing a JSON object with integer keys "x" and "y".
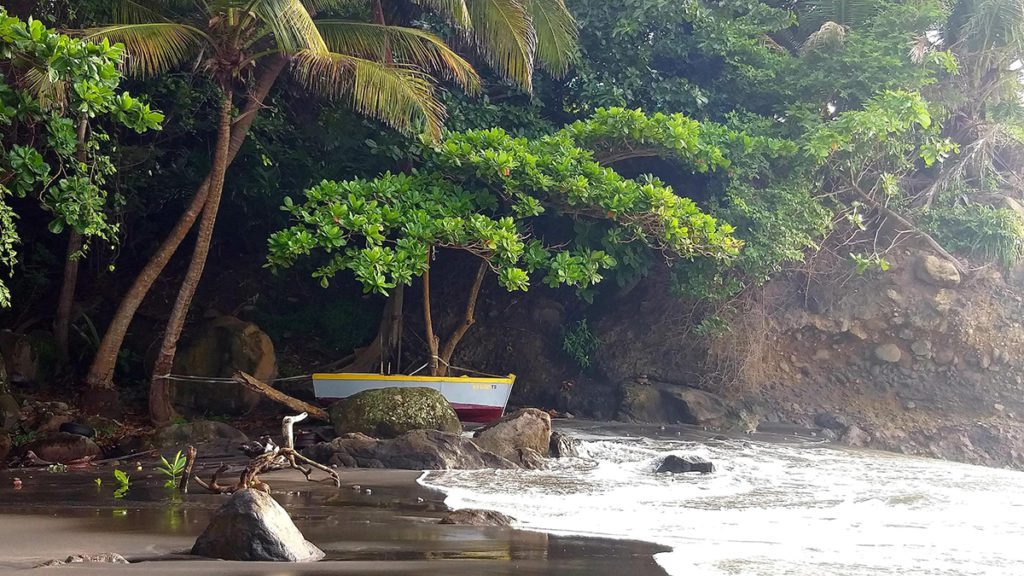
{"x": 17, "y": 483}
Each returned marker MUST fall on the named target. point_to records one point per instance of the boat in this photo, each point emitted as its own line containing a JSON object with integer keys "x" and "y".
{"x": 475, "y": 400}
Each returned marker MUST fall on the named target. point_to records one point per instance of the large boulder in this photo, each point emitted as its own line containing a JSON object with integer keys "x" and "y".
{"x": 63, "y": 447}
{"x": 252, "y": 526}
{"x": 29, "y": 358}
{"x": 642, "y": 403}
{"x": 700, "y": 408}
{"x": 213, "y": 434}
{"x": 218, "y": 349}
{"x": 391, "y": 412}
{"x": 937, "y": 271}
{"x": 417, "y": 450}
{"x": 528, "y": 428}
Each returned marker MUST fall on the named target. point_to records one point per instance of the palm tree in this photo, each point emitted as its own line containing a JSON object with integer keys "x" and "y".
{"x": 384, "y": 71}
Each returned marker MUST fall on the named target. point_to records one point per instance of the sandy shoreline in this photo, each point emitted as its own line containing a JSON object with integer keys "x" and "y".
{"x": 392, "y": 531}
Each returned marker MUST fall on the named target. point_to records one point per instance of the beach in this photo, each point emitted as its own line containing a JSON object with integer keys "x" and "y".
{"x": 391, "y": 530}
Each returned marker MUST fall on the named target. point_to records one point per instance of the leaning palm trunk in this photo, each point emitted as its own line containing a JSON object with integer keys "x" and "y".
{"x": 100, "y": 379}
{"x": 160, "y": 408}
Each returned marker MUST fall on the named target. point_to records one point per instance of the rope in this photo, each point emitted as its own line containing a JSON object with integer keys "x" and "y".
{"x": 215, "y": 380}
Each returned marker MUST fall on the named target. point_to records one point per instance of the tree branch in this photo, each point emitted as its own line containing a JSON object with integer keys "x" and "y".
{"x": 469, "y": 319}
{"x": 252, "y": 383}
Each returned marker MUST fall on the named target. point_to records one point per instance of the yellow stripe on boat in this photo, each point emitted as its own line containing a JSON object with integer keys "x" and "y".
{"x": 508, "y": 380}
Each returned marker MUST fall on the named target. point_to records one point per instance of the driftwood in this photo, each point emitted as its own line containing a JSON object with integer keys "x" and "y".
{"x": 190, "y": 462}
{"x": 254, "y": 384}
{"x": 274, "y": 458}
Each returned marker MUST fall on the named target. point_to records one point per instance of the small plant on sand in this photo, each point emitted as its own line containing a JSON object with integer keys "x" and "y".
{"x": 99, "y": 482}
{"x": 123, "y": 483}
{"x": 172, "y": 469}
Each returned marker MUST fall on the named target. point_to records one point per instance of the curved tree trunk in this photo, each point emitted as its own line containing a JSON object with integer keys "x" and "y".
{"x": 161, "y": 411}
{"x": 100, "y": 378}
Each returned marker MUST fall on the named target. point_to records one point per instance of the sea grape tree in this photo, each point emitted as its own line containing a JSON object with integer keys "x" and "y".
{"x": 483, "y": 192}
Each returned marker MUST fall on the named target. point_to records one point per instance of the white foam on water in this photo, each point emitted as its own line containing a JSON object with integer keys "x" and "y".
{"x": 769, "y": 509}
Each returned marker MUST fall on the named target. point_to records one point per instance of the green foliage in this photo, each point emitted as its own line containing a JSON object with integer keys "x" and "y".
{"x": 580, "y": 344}
{"x": 864, "y": 263}
{"x": 476, "y": 192}
{"x": 53, "y": 84}
{"x": 171, "y": 469}
{"x": 343, "y": 324}
{"x": 993, "y": 234}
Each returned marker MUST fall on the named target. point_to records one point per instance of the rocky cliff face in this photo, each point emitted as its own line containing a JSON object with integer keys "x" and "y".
{"x": 917, "y": 359}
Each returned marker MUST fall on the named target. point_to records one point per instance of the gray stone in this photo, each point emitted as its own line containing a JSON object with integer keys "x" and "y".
{"x": 888, "y": 353}
{"x": 252, "y": 526}
{"x": 417, "y": 450}
{"x": 682, "y": 464}
{"x": 63, "y": 447}
{"x": 856, "y": 437}
{"x": 921, "y": 348}
{"x": 526, "y": 428}
{"x": 101, "y": 558}
{"x": 937, "y": 271}
{"x": 392, "y": 412}
{"x": 563, "y": 446}
{"x": 473, "y": 517}
{"x": 530, "y": 459}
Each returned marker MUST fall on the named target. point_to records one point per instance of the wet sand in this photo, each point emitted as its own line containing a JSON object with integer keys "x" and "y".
{"x": 392, "y": 531}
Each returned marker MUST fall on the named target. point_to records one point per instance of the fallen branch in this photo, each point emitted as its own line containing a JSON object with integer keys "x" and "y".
{"x": 275, "y": 458}
{"x": 254, "y": 384}
{"x": 190, "y": 462}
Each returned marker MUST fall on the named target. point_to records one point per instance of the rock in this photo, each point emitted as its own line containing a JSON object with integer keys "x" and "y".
{"x": 831, "y": 421}
{"x": 641, "y": 403}
{"x": 888, "y": 353}
{"x": 563, "y": 446}
{"x": 218, "y": 349}
{"x": 527, "y": 428}
{"x": 5, "y": 446}
{"x": 10, "y": 413}
{"x": 252, "y": 526}
{"x": 856, "y": 437}
{"x": 998, "y": 407}
{"x": 944, "y": 356}
{"x": 199, "y": 432}
{"x": 417, "y": 450}
{"x": 473, "y": 517}
{"x": 921, "y": 348}
{"x": 63, "y": 447}
{"x": 530, "y": 459}
{"x": 937, "y": 271}
{"x": 681, "y": 464}
{"x": 44, "y": 417}
{"x": 101, "y": 558}
{"x": 29, "y": 358}
{"x": 392, "y": 412}
{"x": 700, "y": 408}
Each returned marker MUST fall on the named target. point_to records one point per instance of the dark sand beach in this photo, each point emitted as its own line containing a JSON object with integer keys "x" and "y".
{"x": 393, "y": 530}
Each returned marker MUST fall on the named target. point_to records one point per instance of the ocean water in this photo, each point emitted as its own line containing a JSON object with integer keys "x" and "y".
{"x": 770, "y": 509}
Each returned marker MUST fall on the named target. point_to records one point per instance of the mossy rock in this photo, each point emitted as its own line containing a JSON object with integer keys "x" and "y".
{"x": 391, "y": 412}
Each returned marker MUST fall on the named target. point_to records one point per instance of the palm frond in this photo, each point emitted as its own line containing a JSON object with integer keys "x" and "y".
{"x": 137, "y": 12}
{"x": 50, "y": 93}
{"x": 400, "y": 96}
{"x": 990, "y": 24}
{"x": 504, "y": 32}
{"x": 319, "y": 6}
{"x": 455, "y": 11}
{"x": 556, "y": 34}
{"x": 155, "y": 47}
{"x": 404, "y": 45}
{"x": 291, "y": 23}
